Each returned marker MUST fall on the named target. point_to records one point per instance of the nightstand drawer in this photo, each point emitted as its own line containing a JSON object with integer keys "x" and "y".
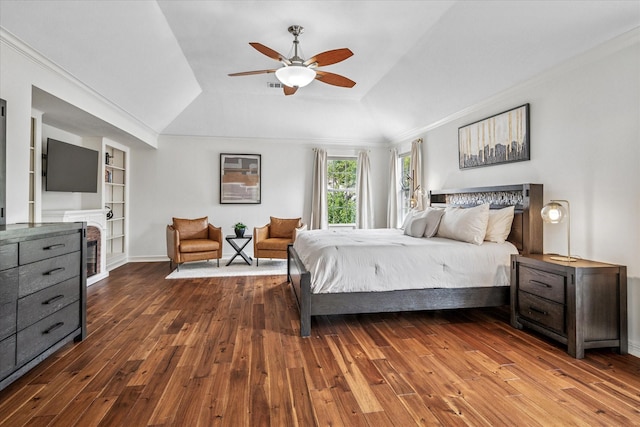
{"x": 542, "y": 283}
{"x": 547, "y": 313}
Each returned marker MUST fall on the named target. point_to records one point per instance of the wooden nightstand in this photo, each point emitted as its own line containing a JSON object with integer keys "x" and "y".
{"x": 582, "y": 304}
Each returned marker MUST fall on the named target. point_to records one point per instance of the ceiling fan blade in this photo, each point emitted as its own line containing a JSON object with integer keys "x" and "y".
{"x": 288, "y": 90}
{"x": 329, "y": 57}
{"x": 270, "y": 52}
{"x": 249, "y": 73}
{"x": 334, "y": 79}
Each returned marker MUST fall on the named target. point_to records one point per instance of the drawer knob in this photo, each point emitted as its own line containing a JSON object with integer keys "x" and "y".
{"x": 52, "y": 247}
{"x": 53, "y": 328}
{"x": 54, "y": 271}
{"x": 52, "y": 299}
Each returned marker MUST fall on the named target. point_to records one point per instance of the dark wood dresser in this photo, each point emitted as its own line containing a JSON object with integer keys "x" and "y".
{"x": 43, "y": 288}
{"x": 582, "y": 304}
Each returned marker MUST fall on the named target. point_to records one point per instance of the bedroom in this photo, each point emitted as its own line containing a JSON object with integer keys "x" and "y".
{"x": 576, "y": 105}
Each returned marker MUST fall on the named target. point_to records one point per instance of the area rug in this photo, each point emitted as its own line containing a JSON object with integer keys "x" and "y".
{"x": 197, "y": 269}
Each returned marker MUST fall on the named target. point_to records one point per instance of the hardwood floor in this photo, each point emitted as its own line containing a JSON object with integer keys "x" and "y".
{"x": 227, "y": 352}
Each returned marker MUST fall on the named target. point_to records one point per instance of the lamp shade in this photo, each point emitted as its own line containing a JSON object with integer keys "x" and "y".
{"x": 295, "y": 75}
{"x": 553, "y": 212}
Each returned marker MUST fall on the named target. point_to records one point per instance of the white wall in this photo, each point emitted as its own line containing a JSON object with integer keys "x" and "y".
{"x": 182, "y": 179}
{"x": 22, "y": 69}
{"x": 585, "y": 147}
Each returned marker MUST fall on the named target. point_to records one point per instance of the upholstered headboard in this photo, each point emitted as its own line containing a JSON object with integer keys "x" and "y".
{"x": 526, "y": 230}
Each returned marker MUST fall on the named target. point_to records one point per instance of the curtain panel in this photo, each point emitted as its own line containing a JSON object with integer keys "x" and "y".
{"x": 392, "y": 201}
{"x": 319, "y": 213}
{"x": 364, "y": 202}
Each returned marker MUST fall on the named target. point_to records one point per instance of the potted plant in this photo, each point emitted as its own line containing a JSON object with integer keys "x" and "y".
{"x": 239, "y": 229}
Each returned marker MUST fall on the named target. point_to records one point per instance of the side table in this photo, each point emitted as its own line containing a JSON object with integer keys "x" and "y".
{"x": 581, "y": 304}
{"x": 239, "y": 249}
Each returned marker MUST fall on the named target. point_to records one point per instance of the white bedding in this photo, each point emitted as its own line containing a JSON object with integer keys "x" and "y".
{"x": 386, "y": 259}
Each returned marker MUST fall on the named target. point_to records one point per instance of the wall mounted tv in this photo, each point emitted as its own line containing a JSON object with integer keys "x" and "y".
{"x": 71, "y": 168}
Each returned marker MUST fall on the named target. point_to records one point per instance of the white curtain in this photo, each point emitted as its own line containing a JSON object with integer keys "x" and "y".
{"x": 392, "y": 202}
{"x": 364, "y": 203}
{"x": 416, "y": 172}
{"x": 319, "y": 214}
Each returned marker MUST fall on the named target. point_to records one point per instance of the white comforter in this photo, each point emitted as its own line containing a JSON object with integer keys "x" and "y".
{"x": 386, "y": 259}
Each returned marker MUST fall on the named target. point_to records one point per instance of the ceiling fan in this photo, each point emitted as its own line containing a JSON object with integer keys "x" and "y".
{"x": 297, "y": 72}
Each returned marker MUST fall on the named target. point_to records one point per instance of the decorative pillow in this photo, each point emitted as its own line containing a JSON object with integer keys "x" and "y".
{"x": 192, "y": 228}
{"x": 434, "y": 216}
{"x": 416, "y": 225}
{"x": 283, "y": 227}
{"x": 465, "y": 224}
{"x": 412, "y": 213}
{"x": 499, "y": 225}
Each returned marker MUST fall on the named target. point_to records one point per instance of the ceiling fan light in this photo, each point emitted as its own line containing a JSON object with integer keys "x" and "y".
{"x": 295, "y": 75}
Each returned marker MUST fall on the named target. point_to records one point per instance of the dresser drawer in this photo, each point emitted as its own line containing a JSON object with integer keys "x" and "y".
{"x": 540, "y": 310}
{"x": 7, "y": 355}
{"x": 542, "y": 283}
{"x": 41, "y": 335}
{"x": 8, "y": 297}
{"x": 39, "y": 249}
{"x": 39, "y": 305}
{"x": 42, "y": 274}
{"x": 8, "y": 256}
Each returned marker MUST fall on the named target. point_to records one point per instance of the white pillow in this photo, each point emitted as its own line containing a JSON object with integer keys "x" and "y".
{"x": 499, "y": 225}
{"x": 412, "y": 213}
{"x": 416, "y": 225}
{"x": 433, "y": 216}
{"x": 465, "y": 224}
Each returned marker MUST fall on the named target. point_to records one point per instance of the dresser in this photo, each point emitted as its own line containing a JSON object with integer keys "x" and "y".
{"x": 42, "y": 293}
{"x": 582, "y": 304}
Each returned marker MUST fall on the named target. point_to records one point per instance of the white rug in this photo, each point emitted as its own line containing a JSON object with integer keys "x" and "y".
{"x": 196, "y": 269}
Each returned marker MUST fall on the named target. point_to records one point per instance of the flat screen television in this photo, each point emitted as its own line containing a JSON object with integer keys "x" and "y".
{"x": 71, "y": 168}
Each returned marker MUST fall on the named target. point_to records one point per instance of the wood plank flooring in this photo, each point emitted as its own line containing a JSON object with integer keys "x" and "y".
{"x": 227, "y": 352}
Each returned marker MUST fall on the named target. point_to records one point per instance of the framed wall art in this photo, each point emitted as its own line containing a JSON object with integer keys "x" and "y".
{"x": 240, "y": 178}
{"x": 502, "y": 138}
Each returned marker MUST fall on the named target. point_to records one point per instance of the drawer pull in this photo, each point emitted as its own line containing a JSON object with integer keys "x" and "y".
{"x": 54, "y": 271}
{"x": 537, "y": 310}
{"x": 52, "y": 247}
{"x": 544, "y": 285}
{"x": 52, "y": 299}
{"x": 53, "y": 328}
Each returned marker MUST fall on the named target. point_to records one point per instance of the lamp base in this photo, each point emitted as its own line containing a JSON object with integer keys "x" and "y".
{"x": 563, "y": 258}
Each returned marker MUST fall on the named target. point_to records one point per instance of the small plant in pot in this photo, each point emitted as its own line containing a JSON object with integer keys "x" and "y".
{"x": 239, "y": 228}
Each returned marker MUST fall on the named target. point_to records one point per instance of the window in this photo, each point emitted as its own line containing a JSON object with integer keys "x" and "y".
{"x": 406, "y": 184}
{"x": 341, "y": 190}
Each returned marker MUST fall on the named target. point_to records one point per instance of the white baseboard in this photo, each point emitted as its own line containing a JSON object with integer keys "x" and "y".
{"x": 152, "y": 258}
{"x": 634, "y": 348}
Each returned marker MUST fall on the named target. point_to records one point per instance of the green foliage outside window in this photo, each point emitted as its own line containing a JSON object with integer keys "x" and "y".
{"x": 341, "y": 191}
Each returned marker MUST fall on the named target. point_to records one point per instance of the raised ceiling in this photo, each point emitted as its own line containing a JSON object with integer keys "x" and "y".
{"x": 415, "y": 62}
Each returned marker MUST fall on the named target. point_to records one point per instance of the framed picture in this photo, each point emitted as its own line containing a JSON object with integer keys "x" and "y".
{"x": 502, "y": 138}
{"x": 240, "y": 178}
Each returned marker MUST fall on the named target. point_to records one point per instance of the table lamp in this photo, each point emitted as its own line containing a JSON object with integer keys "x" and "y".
{"x": 554, "y": 213}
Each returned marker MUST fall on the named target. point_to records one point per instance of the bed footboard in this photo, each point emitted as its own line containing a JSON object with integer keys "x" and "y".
{"x": 300, "y": 280}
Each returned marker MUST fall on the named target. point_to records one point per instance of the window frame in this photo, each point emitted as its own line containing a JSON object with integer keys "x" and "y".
{"x": 329, "y": 189}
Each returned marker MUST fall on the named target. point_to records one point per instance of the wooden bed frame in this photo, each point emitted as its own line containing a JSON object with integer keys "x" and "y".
{"x": 526, "y": 235}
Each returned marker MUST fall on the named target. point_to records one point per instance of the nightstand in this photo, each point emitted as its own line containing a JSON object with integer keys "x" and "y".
{"x": 582, "y": 304}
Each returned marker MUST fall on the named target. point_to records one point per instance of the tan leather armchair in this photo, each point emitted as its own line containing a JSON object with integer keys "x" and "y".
{"x": 271, "y": 240}
{"x": 193, "y": 240}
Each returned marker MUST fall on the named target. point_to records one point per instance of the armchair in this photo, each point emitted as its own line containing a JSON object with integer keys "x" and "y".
{"x": 193, "y": 240}
{"x": 271, "y": 240}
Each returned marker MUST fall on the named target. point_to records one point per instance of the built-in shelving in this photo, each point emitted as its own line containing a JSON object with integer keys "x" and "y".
{"x": 115, "y": 199}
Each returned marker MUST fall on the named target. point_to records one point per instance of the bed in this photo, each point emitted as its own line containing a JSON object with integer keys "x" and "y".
{"x": 314, "y": 299}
